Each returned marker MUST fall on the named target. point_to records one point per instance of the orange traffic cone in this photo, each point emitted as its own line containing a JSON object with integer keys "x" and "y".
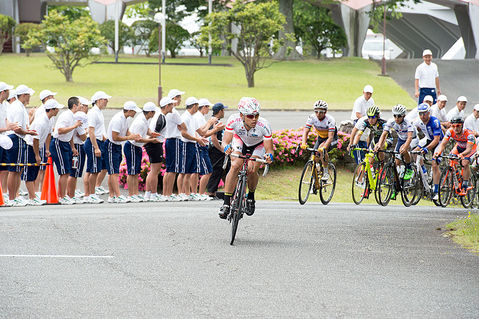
{"x": 49, "y": 190}
{"x": 2, "y": 202}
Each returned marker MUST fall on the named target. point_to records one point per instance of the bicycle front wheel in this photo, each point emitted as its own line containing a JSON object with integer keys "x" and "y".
{"x": 410, "y": 189}
{"x": 386, "y": 185}
{"x": 327, "y": 187}
{"x": 237, "y": 207}
{"x": 306, "y": 183}
{"x": 468, "y": 199}
{"x": 360, "y": 185}
{"x": 446, "y": 187}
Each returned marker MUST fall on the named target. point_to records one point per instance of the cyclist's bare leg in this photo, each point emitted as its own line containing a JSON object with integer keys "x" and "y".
{"x": 253, "y": 176}
{"x": 232, "y": 176}
{"x": 436, "y": 174}
{"x": 466, "y": 174}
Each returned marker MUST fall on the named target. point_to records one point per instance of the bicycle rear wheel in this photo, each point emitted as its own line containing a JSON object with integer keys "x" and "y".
{"x": 306, "y": 183}
{"x": 386, "y": 185}
{"x": 467, "y": 200}
{"x": 237, "y": 207}
{"x": 326, "y": 188}
{"x": 360, "y": 184}
{"x": 410, "y": 189}
{"x": 446, "y": 187}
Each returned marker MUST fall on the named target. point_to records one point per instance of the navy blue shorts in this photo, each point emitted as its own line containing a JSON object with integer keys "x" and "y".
{"x": 43, "y": 155}
{"x": 30, "y": 173}
{"x": 3, "y": 158}
{"x": 16, "y": 154}
{"x": 93, "y": 164}
{"x": 78, "y": 172}
{"x": 204, "y": 162}
{"x": 173, "y": 155}
{"x": 133, "y": 158}
{"x": 359, "y": 155}
{"x": 62, "y": 156}
{"x": 426, "y": 91}
{"x": 114, "y": 157}
{"x": 189, "y": 163}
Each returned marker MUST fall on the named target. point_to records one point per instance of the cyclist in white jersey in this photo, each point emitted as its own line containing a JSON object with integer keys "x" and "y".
{"x": 246, "y": 133}
{"x": 407, "y": 138}
{"x": 325, "y": 125}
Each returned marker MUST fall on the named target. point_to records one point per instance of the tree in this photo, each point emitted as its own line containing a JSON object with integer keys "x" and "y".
{"x": 22, "y": 31}
{"x": 256, "y": 27}
{"x": 143, "y": 31}
{"x": 195, "y": 41}
{"x": 286, "y": 8}
{"x": 314, "y": 26}
{"x": 6, "y": 30}
{"x": 176, "y": 35}
{"x": 71, "y": 41}
{"x": 71, "y": 12}
{"x": 125, "y": 34}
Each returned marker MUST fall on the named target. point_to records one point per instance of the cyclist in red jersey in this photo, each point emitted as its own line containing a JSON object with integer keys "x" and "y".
{"x": 465, "y": 146}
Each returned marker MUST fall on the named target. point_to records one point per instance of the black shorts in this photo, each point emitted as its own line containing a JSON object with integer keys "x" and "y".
{"x": 320, "y": 140}
{"x": 155, "y": 152}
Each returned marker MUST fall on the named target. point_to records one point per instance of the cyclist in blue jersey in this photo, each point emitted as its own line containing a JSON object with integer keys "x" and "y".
{"x": 431, "y": 127}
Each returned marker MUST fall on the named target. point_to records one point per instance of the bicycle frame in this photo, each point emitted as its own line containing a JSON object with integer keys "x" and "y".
{"x": 368, "y": 160}
{"x": 425, "y": 182}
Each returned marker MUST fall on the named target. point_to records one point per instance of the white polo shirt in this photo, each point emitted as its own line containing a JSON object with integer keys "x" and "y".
{"x": 173, "y": 119}
{"x": 18, "y": 113}
{"x": 453, "y": 113}
{"x": 97, "y": 121}
{"x": 413, "y": 115}
{"x": 200, "y": 119}
{"x": 65, "y": 119}
{"x": 426, "y": 74}
{"x": 472, "y": 123}
{"x": 441, "y": 115}
{"x": 191, "y": 125}
{"x": 119, "y": 124}
{"x": 3, "y": 115}
{"x": 41, "y": 110}
{"x": 139, "y": 126}
{"x": 43, "y": 126}
{"x": 361, "y": 106}
{"x": 82, "y": 129}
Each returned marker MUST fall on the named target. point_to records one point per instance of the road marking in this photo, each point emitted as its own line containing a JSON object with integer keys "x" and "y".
{"x": 56, "y": 256}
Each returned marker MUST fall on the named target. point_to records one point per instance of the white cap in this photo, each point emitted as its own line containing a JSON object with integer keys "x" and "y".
{"x": 442, "y": 97}
{"x": 476, "y": 107}
{"x": 23, "y": 89}
{"x": 426, "y": 52}
{"x": 166, "y": 100}
{"x": 428, "y": 98}
{"x": 12, "y": 93}
{"x": 204, "y": 102}
{"x": 131, "y": 106}
{"x": 53, "y": 104}
{"x": 175, "y": 92}
{"x": 45, "y": 93}
{"x": 99, "y": 95}
{"x": 191, "y": 100}
{"x": 149, "y": 106}
{"x": 83, "y": 100}
{"x": 462, "y": 98}
{"x": 4, "y": 86}
{"x": 368, "y": 88}
{"x": 81, "y": 116}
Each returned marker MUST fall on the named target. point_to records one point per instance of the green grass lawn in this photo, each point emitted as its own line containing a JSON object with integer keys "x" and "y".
{"x": 285, "y": 85}
{"x": 466, "y": 232}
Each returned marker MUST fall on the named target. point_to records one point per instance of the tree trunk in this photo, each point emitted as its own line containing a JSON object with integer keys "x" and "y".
{"x": 68, "y": 75}
{"x": 249, "y": 76}
{"x": 286, "y": 8}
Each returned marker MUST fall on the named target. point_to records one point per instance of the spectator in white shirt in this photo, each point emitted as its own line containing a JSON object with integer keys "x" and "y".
{"x": 413, "y": 115}
{"x": 43, "y": 126}
{"x": 17, "y": 113}
{"x": 426, "y": 78}
{"x": 457, "y": 110}
{"x": 5, "y": 126}
{"x": 362, "y": 103}
{"x": 472, "y": 121}
{"x": 438, "y": 110}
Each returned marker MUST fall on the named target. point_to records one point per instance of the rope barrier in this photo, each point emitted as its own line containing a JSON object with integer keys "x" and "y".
{"x": 21, "y": 164}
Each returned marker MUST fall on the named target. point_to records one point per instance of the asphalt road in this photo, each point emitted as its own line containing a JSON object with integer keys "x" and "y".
{"x": 289, "y": 261}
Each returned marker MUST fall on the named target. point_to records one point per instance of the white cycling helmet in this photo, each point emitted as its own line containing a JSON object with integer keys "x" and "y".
{"x": 320, "y": 105}
{"x": 399, "y": 109}
{"x": 248, "y": 106}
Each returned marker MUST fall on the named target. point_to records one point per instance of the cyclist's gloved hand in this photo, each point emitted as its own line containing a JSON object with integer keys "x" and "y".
{"x": 227, "y": 149}
{"x": 425, "y": 150}
{"x": 268, "y": 157}
{"x": 304, "y": 146}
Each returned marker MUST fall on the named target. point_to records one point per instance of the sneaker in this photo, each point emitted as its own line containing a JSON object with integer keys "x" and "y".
{"x": 393, "y": 195}
{"x": 17, "y": 202}
{"x": 435, "y": 197}
{"x": 141, "y": 197}
{"x": 194, "y": 197}
{"x": 35, "y": 202}
{"x": 122, "y": 200}
{"x": 66, "y": 201}
{"x": 22, "y": 192}
{"x": 94, "y": 199}
{"x": 38, "y": 195}
{"x": 79, "y": 193}
{"x": 78, "y": 200}
{"x": 325, "y": 177}
{"x": 408, "y": 174}
{"x": 111, "y": 200}
{"x": 100, "y": 190}
{"x": 206, "y": 197}
{"x": 183, "y": 197}
{"x": 250, "y": 206}
{"x": 224, "y": 211}
{"x": 173, "y": 198}
{"x": 161, "y": 198}
{"x": 133, "y": 199}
